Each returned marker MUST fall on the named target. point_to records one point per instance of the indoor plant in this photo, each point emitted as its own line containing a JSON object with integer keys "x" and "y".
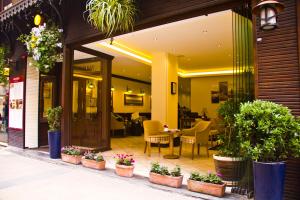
{"x": 161, "y": 175}
{"x": 209, "y": 184}
{"x": 54, "y": 134}
{"x": 93, "y": 160}
{"x": 269, "y": 134}
{"x": 228, "y": 160}
{"x": 124, "y": 165}
{"x": 3, "y": 63}
{"x": 110, "y": 16}
{"x": 71, "y": 155}
{"x": 43, "y": 43}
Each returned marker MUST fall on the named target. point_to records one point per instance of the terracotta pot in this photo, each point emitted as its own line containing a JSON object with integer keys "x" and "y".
{"x": 206, "y": 188}
{"x": 125, "y": 171}
{"x": 232, "y": 169}
{"x": 71, "y": 159}
{"x": 93, "y": 164}
{"x": 170, "y": 181}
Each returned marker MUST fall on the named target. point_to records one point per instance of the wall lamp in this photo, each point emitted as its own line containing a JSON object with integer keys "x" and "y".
{"x": 267, "y": 11}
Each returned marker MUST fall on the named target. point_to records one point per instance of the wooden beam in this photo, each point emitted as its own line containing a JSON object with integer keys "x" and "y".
{"x": 94, "y": 52}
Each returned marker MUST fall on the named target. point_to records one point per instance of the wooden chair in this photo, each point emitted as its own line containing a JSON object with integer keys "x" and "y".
{"x": 153, "y": 134}
{"x": 199, "y": 135}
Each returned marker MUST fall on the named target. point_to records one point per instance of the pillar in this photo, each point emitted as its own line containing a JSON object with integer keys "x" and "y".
{"x": 164, "y": 104}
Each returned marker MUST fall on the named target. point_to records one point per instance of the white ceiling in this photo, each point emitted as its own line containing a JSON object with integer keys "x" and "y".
{"x": 201, "y": 44}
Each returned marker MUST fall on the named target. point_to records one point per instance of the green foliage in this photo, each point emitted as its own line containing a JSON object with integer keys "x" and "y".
{"x": 93, "y": 156}
{"x": 54, "y": 118}
{"x": 3, "y": 64}
{"x": 268, "y": 131}
{"x": 43, "y": 43}
{"x": 163, "y": 170}
{"x": 124, "y": 159}
{"x": 69, "y": 150}
{"x": 209, "y": 178}
{"x": 110, "y": 16}
{"x": 229, "y": 142}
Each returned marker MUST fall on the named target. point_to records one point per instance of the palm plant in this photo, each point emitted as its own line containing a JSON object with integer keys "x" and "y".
{"x": 110, "y": 16}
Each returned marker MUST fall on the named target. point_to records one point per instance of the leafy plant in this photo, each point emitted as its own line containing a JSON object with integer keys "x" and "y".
{"x": 268, "y": 131}
{"x": 110, "y": 16}
{"x": 3, "y": 64}
{"x": 69, "y": 150}
{"x": 163, "y": 170}
{"x": 124, "y": 159}
{"x": 229, "y": 142}
{"x": 54, "y": 118}
{"x": 93, "y": 156}
{"x": 209, "y": 178}
{"x": 43, "y": 43}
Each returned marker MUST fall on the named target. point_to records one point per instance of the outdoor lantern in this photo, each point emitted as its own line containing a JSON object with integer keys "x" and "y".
{"x": 38, "y": 20}
{"x": 267, "y": 12}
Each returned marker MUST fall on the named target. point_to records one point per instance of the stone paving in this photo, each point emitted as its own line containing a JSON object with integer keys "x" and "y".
{"x": 27, "y": 174}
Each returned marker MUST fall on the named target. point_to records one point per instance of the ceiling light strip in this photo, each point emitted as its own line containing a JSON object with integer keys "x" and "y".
{"x": 209, "y": 73}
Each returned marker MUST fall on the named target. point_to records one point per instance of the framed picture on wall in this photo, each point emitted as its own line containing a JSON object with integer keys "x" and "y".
{"x": 223, "y": 91}
{"x": 133, "y": 100}
{"x": 215, "y": 98}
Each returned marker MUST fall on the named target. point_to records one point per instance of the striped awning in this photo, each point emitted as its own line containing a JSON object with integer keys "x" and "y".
{"x": 15, "y": 9}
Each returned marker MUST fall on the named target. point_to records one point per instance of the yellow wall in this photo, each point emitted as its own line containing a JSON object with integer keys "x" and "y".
{"x": 201, "y": 93}
{"x": 118, "y": 96}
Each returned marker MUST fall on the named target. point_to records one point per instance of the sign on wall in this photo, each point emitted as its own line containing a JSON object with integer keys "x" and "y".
{"x": 16, "y": 103}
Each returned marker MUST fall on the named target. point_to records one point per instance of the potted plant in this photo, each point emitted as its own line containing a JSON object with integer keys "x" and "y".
{"x": 124, "y": 165}
{"x": 3, "y": 64}
{"x": 228, "y": 160}
{"x": 208, "y": 184}
{"x": 111, "y": 16}
{"x": 71, "y": 155}
{"x": 43, "y": 43}
{"x": 161, "y": 175}
{"x": 54, "y": 134}
{"x": 269, "y": 134}
{"x": 93, "y": 160}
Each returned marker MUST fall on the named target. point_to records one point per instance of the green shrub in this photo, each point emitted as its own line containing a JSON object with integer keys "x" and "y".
{"x": 54, "y": 118}
{"x": 163, "y": 170}
{"x": 268, "y": 131}
{"x": 209, "y": 178}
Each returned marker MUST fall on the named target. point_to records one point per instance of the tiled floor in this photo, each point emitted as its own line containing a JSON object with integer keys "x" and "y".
{"x": 135, "y": 145}
{"x": 3, "y": 137}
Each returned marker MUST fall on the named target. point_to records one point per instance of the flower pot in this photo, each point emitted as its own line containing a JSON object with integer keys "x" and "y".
{"x": 206, "y": 188}
{"x": 268, "y": 180}
{"x": 71, "y": 158}
{"x": 170, "y": 181}
{"x": 54, "y": 141}
{"x": 123, "y": 170}
{"x": 231, "y": 169}
{"x": 93, "y": 164}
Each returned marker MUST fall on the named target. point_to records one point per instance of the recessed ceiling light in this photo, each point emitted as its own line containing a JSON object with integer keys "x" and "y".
{"x": 204, "y": 31}
{"x": 155, "y": 39}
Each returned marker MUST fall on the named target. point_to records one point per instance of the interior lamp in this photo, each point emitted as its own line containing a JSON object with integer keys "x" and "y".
{"x": 267, "y": 10}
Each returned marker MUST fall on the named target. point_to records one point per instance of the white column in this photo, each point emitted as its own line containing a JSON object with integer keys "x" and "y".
{"x": 32, "y": 106}
{"x": 164, "y": 104}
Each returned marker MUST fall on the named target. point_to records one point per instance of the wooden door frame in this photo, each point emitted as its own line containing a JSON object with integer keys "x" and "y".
{"x": 67, "y": 93}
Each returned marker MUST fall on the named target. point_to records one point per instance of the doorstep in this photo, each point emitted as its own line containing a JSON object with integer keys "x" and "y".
{"x": 137, "y": 179}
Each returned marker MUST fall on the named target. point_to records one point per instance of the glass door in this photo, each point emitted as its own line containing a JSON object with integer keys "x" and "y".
{"x": 86, "y": 100}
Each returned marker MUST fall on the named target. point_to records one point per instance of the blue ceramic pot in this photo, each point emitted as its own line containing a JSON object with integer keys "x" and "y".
{"x": 54, "y": 139}
{"x": 268, "y": 180}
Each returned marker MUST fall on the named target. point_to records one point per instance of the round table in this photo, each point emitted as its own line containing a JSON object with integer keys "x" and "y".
{"x": 172, "y": 133}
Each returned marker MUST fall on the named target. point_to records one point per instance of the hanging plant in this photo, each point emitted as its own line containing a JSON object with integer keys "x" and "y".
{"x": 43, "y": 43}
{"x": 110, "y": 16}
{"x": 3, "y": 64}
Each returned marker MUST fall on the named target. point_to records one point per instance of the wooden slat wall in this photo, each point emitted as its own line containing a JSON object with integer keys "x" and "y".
{"x": 278, "y": 77}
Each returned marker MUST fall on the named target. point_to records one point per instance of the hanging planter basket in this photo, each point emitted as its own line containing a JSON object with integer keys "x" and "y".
{"x": 110, "y": 16}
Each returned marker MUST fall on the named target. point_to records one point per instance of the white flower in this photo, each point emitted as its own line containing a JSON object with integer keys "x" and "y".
{"x": 46, "y": 66}
{"x": 36, "y": 31}
{"x": 36, "y": 57}
{"x": 60, "y": 30}
{"x": 59, "y": 45}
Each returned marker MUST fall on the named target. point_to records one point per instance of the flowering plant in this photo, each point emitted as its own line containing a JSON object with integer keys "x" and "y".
{"x": 124, "y": 159}
{"x": 162, "y": 170}
{"x": 43, "y": 43}
{"x": 69, "y": 150}
{"x": 3, "y": 63}
{"x": 93, "y": 156}
{"x": 209, "y": 178}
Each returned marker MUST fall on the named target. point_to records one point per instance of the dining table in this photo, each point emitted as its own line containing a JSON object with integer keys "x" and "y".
{"x": 172, "y": 133}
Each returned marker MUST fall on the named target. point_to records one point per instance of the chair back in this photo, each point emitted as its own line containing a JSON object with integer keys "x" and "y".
{"x": 152, "y": 127}
{"x": 202, "y": 134}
